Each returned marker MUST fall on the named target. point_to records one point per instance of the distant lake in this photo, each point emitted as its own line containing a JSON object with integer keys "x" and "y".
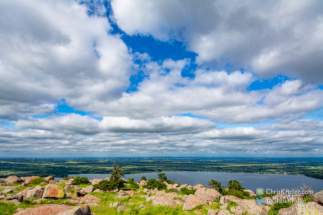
{"x": 250, "y": 181}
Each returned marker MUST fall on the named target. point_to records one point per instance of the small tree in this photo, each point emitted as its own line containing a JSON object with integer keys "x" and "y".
{"x": 235, "y": 185}
{"x": 131, "y": 181}
{"x": 143, "y": 178}
{"x": 116, "y": 173}
{"x": 215, "y": 185}
{"x": 162, "y": 177}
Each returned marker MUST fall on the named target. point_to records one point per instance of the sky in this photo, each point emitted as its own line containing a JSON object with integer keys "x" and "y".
{"x": 113, "y": 78}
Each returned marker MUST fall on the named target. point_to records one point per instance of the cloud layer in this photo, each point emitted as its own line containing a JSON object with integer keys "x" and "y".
{"x": 268, "y": 37}
{"x": 56, "y": 51}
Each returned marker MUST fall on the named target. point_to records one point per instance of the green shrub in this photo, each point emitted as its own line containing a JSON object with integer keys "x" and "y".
{"x": 110, "y": 185}
{"x": 153, "y": 183}
{"x": 198, "y": 207}
{"x": 277, "y": 206}
{"x": 170, "y": 182}
{"x": 160, "y": 210}
{"x": 130, "y": 181}
{"x": 78, "y": 180}
{"x": 7, "y": 208}
{"x": 133, "y": 186}
{"x": 232, "y": 204}
{"x": 143, "y": 178}
{"x": 185, "y": 191}
{"x": 37, "y": 181}
{"x": 172, "y": 190}
{"x": 307, "y": 199}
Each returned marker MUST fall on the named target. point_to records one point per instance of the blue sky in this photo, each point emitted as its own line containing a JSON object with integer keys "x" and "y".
{"x": 120, "y": 77}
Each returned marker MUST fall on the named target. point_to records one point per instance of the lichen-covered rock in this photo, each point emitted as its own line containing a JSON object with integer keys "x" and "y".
{"x": 251, "y": 207}
{"x": 96, "y": 181}
{"x": 316, "y": 205}
{"x": 166, "y": 201}
{"x": 81, "y": 210}
{"x": 13, "y": 179}
{"x": 318, "y": 197}
{"x": 53, "y": 191}
{"x": 227, "y": 199}
{"x": 191, "y": 202}
{"x": 207, "y": 195}
{"x": 299, "y": 208}
{"x": 90, "y": 199}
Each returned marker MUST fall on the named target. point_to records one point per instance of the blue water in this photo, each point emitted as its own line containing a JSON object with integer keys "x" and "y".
{"x": 250, "y": 181}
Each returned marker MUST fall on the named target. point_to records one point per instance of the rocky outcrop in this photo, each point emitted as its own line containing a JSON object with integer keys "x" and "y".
{"x": 318, "y": 197}
{"x": 199, "y": 186}
{"x": 89, "y": 189}
{"x": 96, "y": 181}
{"x": 212, "y": 212}
{"x": 251, "y": 193}
{"x": 13, "y": 179}
{"x": 224, "y": 212}
{"x": 53, "y": 182}
{"x": 90, "y": 199}
{"x": 143, "y": 183}
{"x": 49, "y": 178}
{"x": 299, "y": 208}
{"x": 69, "y": 181}
{"x": 67, "y": 187}
{"x": 53, "y": 191}
{"x": 268, "y": 201}
{"x": 191, "y": 202}
{"x": 37, "y": 192}
{"x": 57, "y": 210}
{"x": 207, "y": 195}
{"x": 23, "y": 193}
{"x": 121, "y": 194}
{"x": 251, "y": 207}
{"x": 28, "y": 180}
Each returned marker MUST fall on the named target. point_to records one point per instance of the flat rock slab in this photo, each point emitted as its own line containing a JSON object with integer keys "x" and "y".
{"x": 56, "y": 210}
